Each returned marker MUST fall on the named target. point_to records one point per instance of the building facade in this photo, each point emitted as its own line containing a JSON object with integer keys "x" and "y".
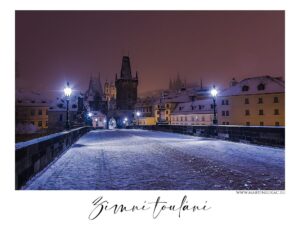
{"x": 257, "y": 101}
{"x": 193, "y": 113}
{"x": 31, "y": 112}
{"x": 58, "y": 113}
{"x": 145, "y": 108}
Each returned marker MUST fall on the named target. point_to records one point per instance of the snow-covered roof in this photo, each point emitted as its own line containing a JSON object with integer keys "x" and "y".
{"x": 184, "y": 95}
{"x": 194, "y": 107}
{"x": 269, "y": 85}
{"x": 31, "y": 98}
{"x": 60, "y": 103}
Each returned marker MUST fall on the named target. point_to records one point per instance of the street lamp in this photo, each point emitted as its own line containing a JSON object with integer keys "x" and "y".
{"x": 138, "y": 115}
{"x": 90, "y": 114}
{"x": 68, "y": 92}
{"x": 214, "y": 93}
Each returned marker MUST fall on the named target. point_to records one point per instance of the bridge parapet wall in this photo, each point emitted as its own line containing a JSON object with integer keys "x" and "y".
{"x": 270, "y": 136}
{"x": 33, "y": 156}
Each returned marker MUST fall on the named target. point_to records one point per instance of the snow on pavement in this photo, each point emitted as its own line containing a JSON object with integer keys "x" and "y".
{"x": 152, "y": 160}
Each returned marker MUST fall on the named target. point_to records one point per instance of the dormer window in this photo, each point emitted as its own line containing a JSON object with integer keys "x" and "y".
{"x": 261, "y": 87}
{"x": 245, "y": 88}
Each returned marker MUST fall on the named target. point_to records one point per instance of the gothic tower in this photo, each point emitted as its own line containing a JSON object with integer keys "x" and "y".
{"x": 126, "y": 86}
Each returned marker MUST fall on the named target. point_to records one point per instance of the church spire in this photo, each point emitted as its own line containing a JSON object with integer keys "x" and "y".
{"x": 126, "y": 69}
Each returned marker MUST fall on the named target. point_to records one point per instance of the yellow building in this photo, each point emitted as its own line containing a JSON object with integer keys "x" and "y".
{"x": 145, "y": 121}
{"x": 258, "y": 101}
{"x": 110, "y": 91}
{"x": 31, "y": 109}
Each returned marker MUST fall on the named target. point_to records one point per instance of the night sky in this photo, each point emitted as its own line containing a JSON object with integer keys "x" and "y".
{"x": 55, "y": 47}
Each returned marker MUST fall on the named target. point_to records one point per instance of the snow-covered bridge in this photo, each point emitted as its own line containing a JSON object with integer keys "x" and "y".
{"x": 140, "y": 159}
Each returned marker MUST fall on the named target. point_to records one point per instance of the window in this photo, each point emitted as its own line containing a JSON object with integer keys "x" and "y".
{"x": 227, "y": 113}
{"x": 199, "y": 106}
{"x": 32, "y": 101}
{"x": 60, "y": 117}
{"x": 246, "y": 100}
{"x": 261, "y": 87}
{"x": 19, "y": 101}
{"x": 276, "y": 111}
{"x": 260, "y": 100}
{"x": 167, "y": 112}
{"x": 276, "y": 100}
{"x": 40, "y": 123}
{"x": 40, "y": 112}
{"x": 247, "y": 112}
{"x": 261, "y": 123}
{"x": 245, "y": 88}
{"x": 261, "y": 112}
{"x": 223, "y": 123}
{"x": 32, "y": 112}
{"x": 247, "y": 123}
{"x": 223, "y": 113}
{"x": 227, "y": 102}
{"x": 74, "y": 106}
{"x": 227, "y": 123}
{"x": 276, "y": 123}
{"x": 46, "y": 123}
{"x": 167, "y": 105}
{"x": 223, "y": 102}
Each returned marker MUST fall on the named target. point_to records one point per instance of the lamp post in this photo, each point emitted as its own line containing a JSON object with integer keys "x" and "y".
{"x": 214, "y": 93}
{"x": 68, "y": 92}
{"x": 138, "y": 115}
